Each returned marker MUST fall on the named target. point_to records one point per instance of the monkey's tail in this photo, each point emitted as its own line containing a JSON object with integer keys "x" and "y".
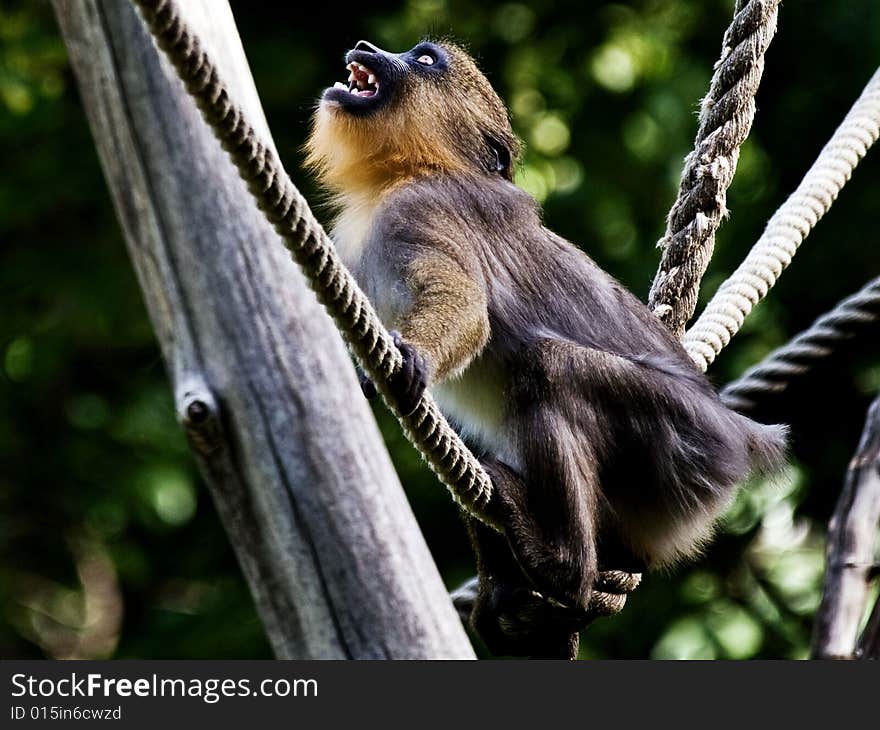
{"x": 767, "y": 446}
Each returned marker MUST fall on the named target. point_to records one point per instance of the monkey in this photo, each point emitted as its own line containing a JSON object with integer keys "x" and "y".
{"x": 605, "y": 444}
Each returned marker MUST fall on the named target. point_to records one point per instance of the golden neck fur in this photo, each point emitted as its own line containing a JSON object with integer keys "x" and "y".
{"x": 354, "y": 158}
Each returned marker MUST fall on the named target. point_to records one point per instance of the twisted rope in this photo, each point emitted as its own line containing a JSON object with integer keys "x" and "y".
{"x": 726, "y": 116}
{"x": 787, "y": 229}
{"x": 776, "y": 372}
{"x": 313, "y": 250}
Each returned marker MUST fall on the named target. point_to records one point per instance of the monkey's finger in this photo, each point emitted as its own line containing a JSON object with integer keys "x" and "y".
{"x": 396, "y": 338}
{"x": 617, "y": 581}
{"x": 606, "y": 604}
{"x": 420, "y": 374}
{"x": 404, "y": 385}
{"x": 408, "y": 372}
{"x": 404, "y": 375}
{"x": 410, "y": 381}
{"x": 367, "y": 387}
{"x": 417, "y": 384}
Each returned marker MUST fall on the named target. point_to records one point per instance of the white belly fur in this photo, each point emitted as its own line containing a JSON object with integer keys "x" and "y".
{"x": 351, "y": 228}
{"x": 474, "y": 401}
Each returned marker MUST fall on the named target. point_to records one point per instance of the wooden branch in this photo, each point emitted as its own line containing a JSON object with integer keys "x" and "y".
{"x": 852, "y": 534}
{"x": 263, "y": 384}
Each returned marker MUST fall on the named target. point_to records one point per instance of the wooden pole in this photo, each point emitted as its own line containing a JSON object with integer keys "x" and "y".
{"x": 263, "y": 384}
{"x": 852, "y": 535}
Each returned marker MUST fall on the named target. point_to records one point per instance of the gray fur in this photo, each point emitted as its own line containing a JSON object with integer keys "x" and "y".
{"x": 597, "y": 408}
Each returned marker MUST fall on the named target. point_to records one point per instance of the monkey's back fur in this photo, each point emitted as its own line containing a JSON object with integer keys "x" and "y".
{"x": 574, "y": 364}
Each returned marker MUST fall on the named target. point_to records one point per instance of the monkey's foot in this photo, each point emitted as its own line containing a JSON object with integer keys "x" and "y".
{"x": 610, "y": 590}
{"x": 521, "y": 622}
{"x": 408, "y": 383}
{"x": 367, "y": 387}
{"x": 513, "y": 629}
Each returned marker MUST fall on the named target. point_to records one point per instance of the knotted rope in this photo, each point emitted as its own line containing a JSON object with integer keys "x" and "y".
{"x": 775, "y": 373}
{"x": 726, "y": 116}
{"x": 787, "y": 229}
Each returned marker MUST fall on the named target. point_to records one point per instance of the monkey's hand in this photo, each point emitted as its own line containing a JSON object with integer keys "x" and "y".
{"x": 408, "y": 383}
{"x": 367, "y": 387}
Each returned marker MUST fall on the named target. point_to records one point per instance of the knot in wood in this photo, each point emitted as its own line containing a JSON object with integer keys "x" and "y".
{"x": 199, "y": 413}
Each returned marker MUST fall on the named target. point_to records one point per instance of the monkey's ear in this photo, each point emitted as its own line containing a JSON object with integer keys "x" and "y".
{"x": 500, "y": 162}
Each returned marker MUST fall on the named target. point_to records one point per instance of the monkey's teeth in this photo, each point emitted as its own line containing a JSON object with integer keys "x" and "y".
{"x": 361, "y": 81}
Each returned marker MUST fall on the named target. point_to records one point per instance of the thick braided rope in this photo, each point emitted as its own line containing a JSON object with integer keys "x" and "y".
{"x": 787, "y": 229}
{"x": 313, "y": 250}
{"x": 726, "y": 116}
{"x": 774, "y": 374}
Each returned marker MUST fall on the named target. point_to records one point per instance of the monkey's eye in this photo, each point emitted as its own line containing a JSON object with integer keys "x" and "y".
{"x": 426, "y": 60}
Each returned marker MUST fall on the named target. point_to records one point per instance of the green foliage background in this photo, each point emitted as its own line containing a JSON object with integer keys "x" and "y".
{"x": 109, "y": 543}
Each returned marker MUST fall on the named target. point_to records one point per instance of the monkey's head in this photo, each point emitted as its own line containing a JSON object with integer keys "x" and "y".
{"x": 428, "y": 109}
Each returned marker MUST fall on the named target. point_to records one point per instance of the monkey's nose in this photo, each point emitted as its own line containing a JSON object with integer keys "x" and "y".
{"x": 367, "y": 46}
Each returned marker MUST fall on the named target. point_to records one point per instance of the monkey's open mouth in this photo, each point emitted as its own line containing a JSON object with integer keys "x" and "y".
{"x": 362, "y": 81}
{"x": 370, "y": 85}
